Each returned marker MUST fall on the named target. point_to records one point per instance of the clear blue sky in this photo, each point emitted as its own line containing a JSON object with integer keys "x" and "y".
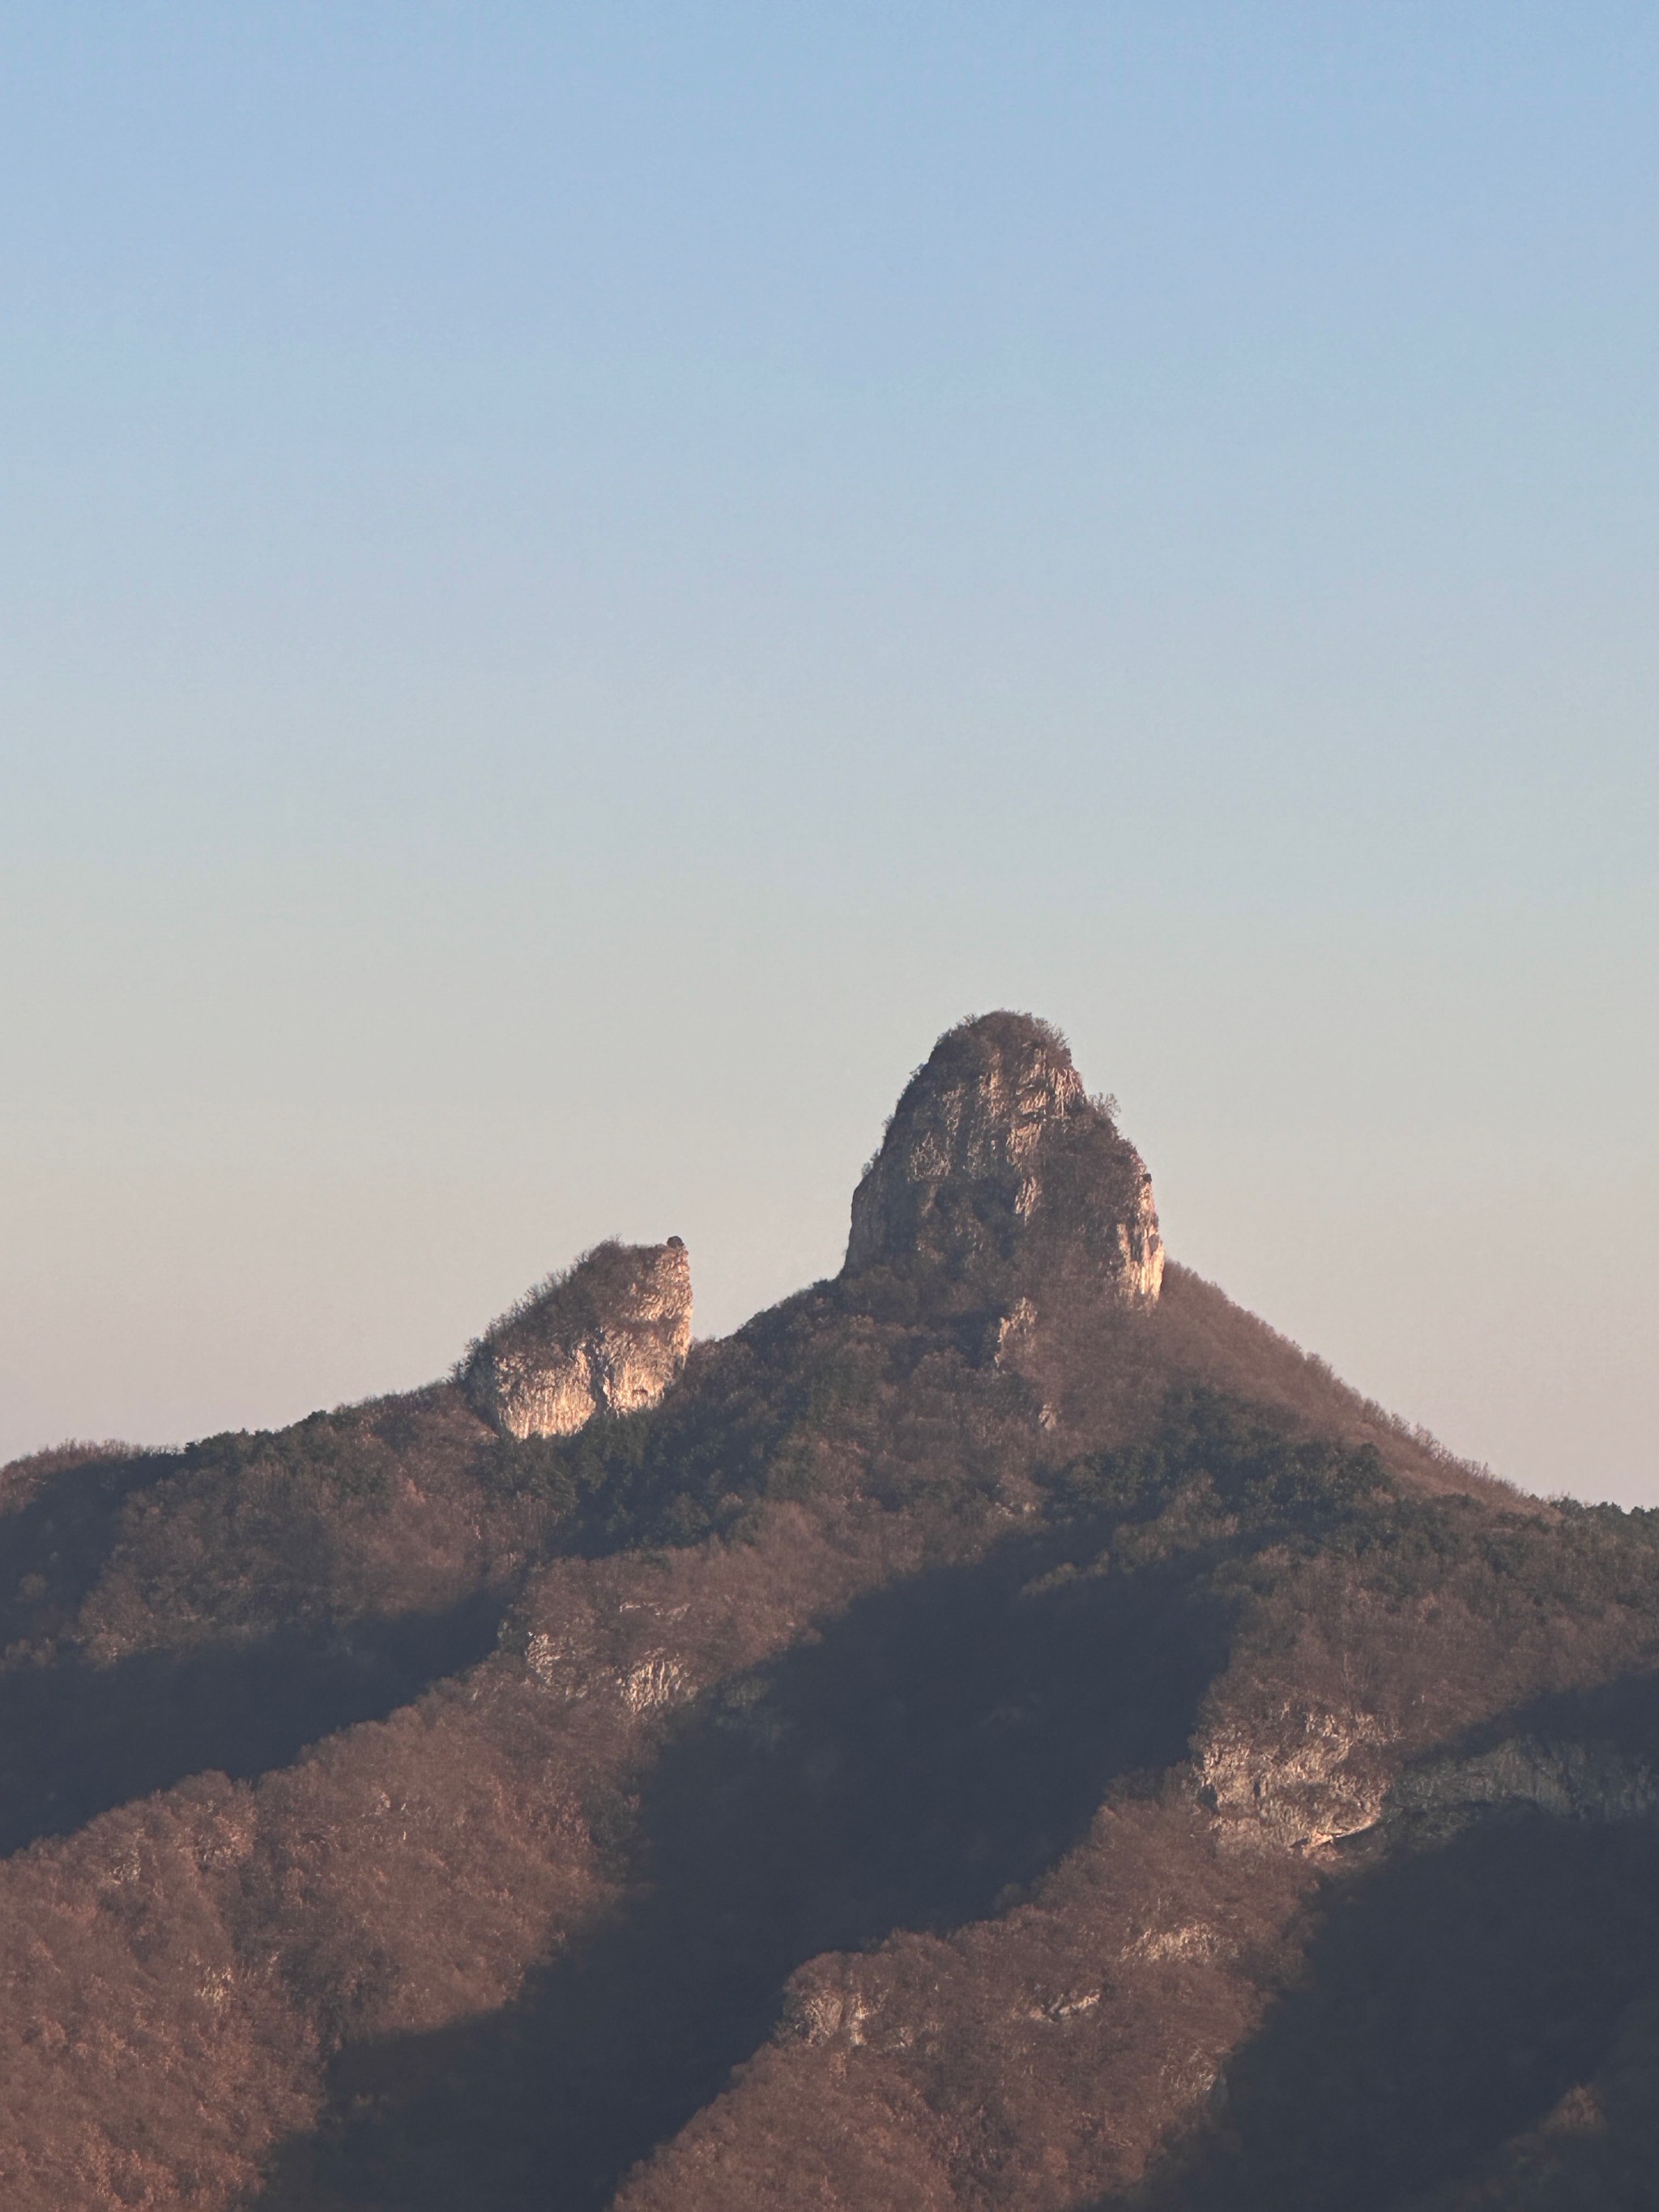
{"x": 577, "y": 582}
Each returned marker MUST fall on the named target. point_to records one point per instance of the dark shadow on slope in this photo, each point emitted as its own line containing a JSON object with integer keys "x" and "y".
{"x": 941, "y": 1742}
{"x": 77, "y": 1739}
{"x": 54, "y": 1546}
{"x": 1451, "y": 1998}
{"x": 1617, "y": 1722}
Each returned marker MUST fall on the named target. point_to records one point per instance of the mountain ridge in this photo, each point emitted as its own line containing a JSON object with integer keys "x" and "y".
{"x": 971, "y": 1737}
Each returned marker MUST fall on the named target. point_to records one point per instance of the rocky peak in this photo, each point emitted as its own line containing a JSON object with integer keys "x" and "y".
{"x": 607, "y": 1337}
{"x": 997, "y": 1156}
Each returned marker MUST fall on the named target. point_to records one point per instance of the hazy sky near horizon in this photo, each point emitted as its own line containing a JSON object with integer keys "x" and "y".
{"x": 577, "y": 582}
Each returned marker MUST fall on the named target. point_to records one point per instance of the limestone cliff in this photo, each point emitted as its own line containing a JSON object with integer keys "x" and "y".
{"x": 608, "y": 1337}
{"x": 996, "y": 1154}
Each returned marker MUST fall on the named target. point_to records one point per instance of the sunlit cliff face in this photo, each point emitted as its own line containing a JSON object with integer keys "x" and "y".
{"x": 608, "y": 1337}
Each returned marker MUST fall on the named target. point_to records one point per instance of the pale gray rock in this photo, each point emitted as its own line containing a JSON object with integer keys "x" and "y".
{"x": 607, "y": 1337}
{"x": 996, "y": 1154}
{"x": 1297, "y": 1780}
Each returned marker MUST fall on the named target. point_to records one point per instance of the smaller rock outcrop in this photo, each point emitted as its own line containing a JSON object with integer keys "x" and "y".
{"x": 607, "y": 1337}
{"x": 1298, "y": 1778}
{"x": 996, "y": 1156}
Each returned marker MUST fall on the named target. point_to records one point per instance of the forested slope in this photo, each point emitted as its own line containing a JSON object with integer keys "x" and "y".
{"x": 1004, "y": 1729}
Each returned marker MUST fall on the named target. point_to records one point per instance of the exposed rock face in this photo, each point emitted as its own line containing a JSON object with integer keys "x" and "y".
{"x": 1576, "y": 1781}
{"x": 995, "y": 1152}
{"x": 608, "y": 1337}
{"x": 1314, "y": 1777}
{"x": 1308, "y": 1779}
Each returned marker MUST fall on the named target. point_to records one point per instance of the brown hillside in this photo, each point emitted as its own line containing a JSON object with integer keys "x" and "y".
{"x": 1004, "y": 1730}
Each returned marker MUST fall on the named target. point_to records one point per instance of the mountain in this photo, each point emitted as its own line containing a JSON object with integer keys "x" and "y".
{"x": 1004, "y": 1729}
